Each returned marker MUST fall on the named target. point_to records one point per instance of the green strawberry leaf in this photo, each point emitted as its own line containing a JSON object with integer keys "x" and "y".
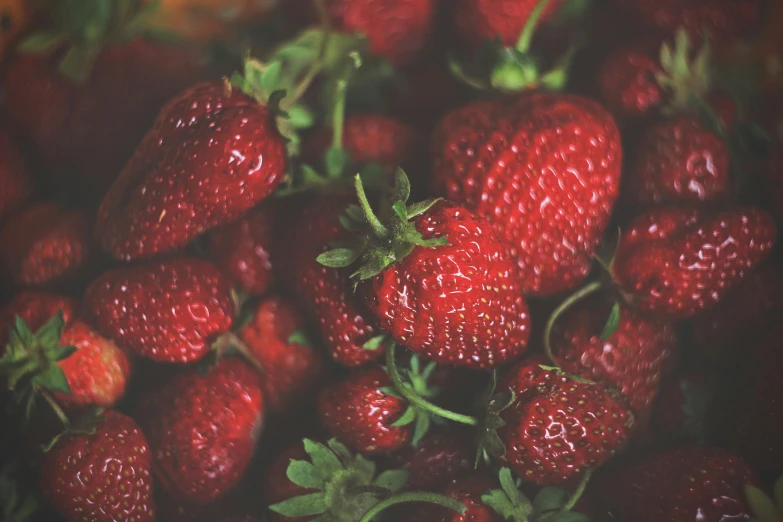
{"x": 423, "y": 422}
{"x": 23, "y": 332}
{"x": 392, "y": 479}
{"x": 338, "y": 258}
{"x": 301, "y": 506}
{"x": 375, "y": 342}
{"x": 508, "y": 484}
{"x": 269, "y": 77}
{"x": 421, "y": 207}
{"x": 341, "y": 450}
{"x": 78, "y": 62}
{"x": 612, "y": 322}
{"x": 50, "y": 333}
{"x": 408, "y": 417}
{"x": 325, "y": 461}
{"x": 300, "y": 117}
{"x": 53, "y": 378}
{"x": 499, "y": 502}
{"x": 304, "y": 475}
{"x": 761, "y": 505}
{"x": 44, "y": 42}
{"x": 299, "y": 337}
{"x": 336, "y": 161}
{"x": 550, "y": 499}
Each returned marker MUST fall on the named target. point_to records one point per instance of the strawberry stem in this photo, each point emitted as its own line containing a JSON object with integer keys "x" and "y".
{"x": 375, "y": 223}
{"x": 565, "y": 305}
{"x": 230, "y": 341}
{"x": 55, "y": 407}
{"x": 526, "y": 37}
{"x": 418, "y": 400}
{"x": 430, "y": 498}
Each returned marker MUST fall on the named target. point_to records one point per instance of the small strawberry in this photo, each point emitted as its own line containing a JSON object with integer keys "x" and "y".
{"x": 307, "y": 229}
{"x": 16, "y": 184}
{"x": 438, "y": 280}
{"x": 35, "y": 308}
{"x": 103, "y": 476}
{"x": 678, "y": 261}
{"x": 628, "y": 84}
{"x": 555, "y": 427}
{"x": 544, "y": 169}
{"x": 45, "y": 244}
{"x": 203, "y": 429}
{"x": 167, "y": 311}
{"x": 631, "y": 353}
{"x": 436, "y": 460}
{"x": 242, "y": 249}
{"x": 292, "y": 368}
{"x": 686, "y": 484}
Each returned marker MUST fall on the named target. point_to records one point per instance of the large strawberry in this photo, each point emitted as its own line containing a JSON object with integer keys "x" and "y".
{"x": 16, "y": 184}
{"x": 35, "y": 308}
{"x": 682, "y": 485}
{"x": 85, "y": 89}
{"x": 678, "y": 261}
{"x": 168, "y": 311}
{"x": 555, "y": 427}
{"x": 103, "y": 476}
{"x": 203, "y": 429}
{"x": 45, "y": 244}
{"x": 437, "y": 278}
{"x": 544, "y": 169}
{"x": 632, "y": 355}
{"x": 292, "y": 367}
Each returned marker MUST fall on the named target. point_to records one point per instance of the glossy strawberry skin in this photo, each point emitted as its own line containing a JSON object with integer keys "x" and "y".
{"x": 479, "y": 20}
{"x": 678, "y": 261}
{"x": 467, "y": 490}
{"x": 203, "y": 429}
{"x": 545, "y": 169}
{"x": 292, "y": 371}
{"x": 360, "y": 415}
{"x": 104, "y": 477}
{"x": 16, "y": 184}
{"x": 82, "y": 135}
{"x": 242, "y": 249}
{"x": 326, "y": 294}
{"x": 45, "y": 244}
{"x": 633, "y": 359}
{"x": 438, "y": 459}
{"x": 212, "y": 154}
{"x": 682, "y": 485}
{"x": 396, "y": 30}
{"x": 557, "y": 427}
{"x": 678, "y": 161}
{"x": 627, "y": 84}
{"x": 98, "y": 372}
{"x": 459, "y": 303}
{"x": 36, "y": 308}
{"x": 167, "y": 311}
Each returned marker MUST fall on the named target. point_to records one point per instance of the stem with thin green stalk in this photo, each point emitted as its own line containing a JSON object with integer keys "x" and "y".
{"x": 417, "y": 400}
{"x": 526, "y": 37}
{"x": 55, "y": 407}
{"x": 318, "y": 64}
{"x": 372, "y": 219}
{"x": 565, "y": 305}
{"x": 430, "y": 498}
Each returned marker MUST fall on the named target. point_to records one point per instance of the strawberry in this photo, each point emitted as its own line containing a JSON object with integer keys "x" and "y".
{"x": 275, "y": 338}
{"x": 35, "y": 308}
{"x": 633, "y": 358}
{"x": 101, "y": 476}
{"x": 85, "y": 89}
{"x": 242, "y": 249}
{"x": 45, "y": 244}
{"x": 553, "y": 226}
{"x": 678, "y": 261}
{"x": 555, "y": 427}
{"x": 438, "y": 280}
{"x": 16, "y": 184}
{"x": 167, "y": 311}
{"x": 324, "y": 293}
{"x": 479, "y": 20}
{"x": 436, "y": 460}
{"x": 468, "y": 490}
{"x": 628, "y": 84}
{"x": 203, "y": 429}
{"x": 685, "y": 484}
{"x": 396, "y": 30}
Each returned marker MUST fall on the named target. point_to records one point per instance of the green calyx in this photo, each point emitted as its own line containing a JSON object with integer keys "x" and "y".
{"x": 764, "y": 507}
{"x": 86, "y": 27}
{"x": 345, "y": 486}
{"x": 382, "y": 239}
{"x": 551, "y": 504}
{"x": 491, "y": 446}
{"x": 515, "y": 69}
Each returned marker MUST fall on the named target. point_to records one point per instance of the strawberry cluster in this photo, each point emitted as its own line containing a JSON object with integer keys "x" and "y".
{"x": 402, "y": 260}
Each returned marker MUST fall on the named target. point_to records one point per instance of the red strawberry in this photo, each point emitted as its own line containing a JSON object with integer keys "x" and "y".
{"x": 45, "y": 244}
{"x": 557, "y": 427}
{"x": 628, "y": 83}
{"x": 242, "y": 249}
{"x": 103, "y": 476}
{"x": 436, "y": 460}
{"x": 35, "y": 308}
{"x": 325, "y": 293}
{"x": 678, "y": 161}
{"x": 396, "y": 30}
{"x": 184, "y": 179}
{"x": 84, "y": 114}
{"x": 275, "y": 337}
{"x": 633, "y": 358}
{"x": 478, "y": 20}
{"x": 545, "y": 169}
{"x": 168, "y": 311}
{"x": 203, "y": 429}
{"x": 683, "y": 485}
{"x": 468, "y": 490}
{"x": 678, "y": 261}
{"x": 16, "y": 185}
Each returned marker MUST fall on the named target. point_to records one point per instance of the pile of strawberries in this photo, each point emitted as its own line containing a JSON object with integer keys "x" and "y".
{"x": 401, "y": 260}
